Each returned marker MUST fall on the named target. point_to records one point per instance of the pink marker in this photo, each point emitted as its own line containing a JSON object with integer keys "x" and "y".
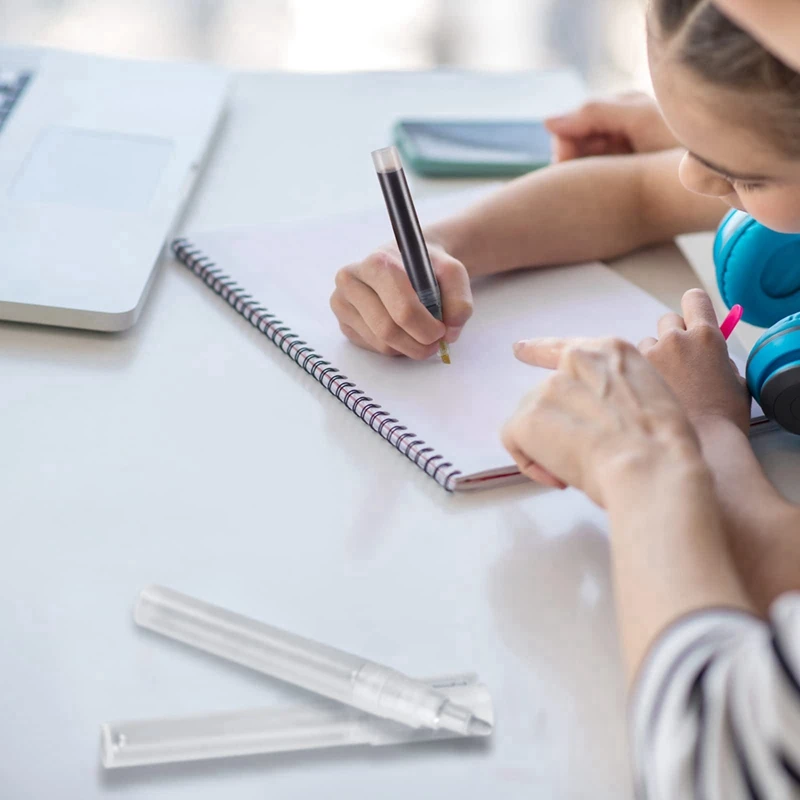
{"x": 731, "y": 321}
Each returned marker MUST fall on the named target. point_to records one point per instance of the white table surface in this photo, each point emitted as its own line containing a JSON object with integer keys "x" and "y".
{"x": 189, "y": 452}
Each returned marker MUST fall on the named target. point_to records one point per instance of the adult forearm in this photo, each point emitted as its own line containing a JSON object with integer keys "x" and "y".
{"x": 669, "y": 552}
{"x": 763, "y": 529}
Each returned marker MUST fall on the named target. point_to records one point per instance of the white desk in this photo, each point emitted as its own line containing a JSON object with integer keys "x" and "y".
{"x": 174, "y": 454}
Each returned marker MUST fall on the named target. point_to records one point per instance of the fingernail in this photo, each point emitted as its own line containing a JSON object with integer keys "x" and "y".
{"x": 540, "y": 342}
{"x": 520, "y": 346}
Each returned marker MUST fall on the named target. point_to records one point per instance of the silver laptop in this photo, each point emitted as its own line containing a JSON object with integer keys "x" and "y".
{"x": 97, "y": 158}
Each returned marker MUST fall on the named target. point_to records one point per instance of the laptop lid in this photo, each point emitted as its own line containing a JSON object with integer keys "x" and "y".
{"x": 97, "y": 158}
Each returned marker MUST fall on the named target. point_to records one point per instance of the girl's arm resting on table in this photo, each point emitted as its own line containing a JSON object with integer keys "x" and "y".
{"x": 588, "y": 209}
{"x": 716, "y": 710}
{"x": 763, "y": 529}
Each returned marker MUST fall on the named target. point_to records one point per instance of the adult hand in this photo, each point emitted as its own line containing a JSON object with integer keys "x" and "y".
{"x": 605, "y": 417}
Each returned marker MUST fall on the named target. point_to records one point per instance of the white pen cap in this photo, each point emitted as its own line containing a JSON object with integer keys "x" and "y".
{"x": 387, "y": 159}
{"x": 254, "y": 731}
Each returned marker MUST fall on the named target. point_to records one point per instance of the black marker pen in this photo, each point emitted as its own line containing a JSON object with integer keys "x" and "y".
{"x": 408, "y": 234}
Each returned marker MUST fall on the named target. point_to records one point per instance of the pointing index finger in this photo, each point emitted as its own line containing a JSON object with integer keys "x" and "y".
{"x": 547, "y": 351}
{"x": 698, "y": 309}
{"x": 544, "y": 352}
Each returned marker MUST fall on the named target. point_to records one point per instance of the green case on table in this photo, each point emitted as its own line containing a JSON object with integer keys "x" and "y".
{"x": 511, "y": 147}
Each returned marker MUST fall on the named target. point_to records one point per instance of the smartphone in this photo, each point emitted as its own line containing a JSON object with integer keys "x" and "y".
{"x": 473, "y": 148}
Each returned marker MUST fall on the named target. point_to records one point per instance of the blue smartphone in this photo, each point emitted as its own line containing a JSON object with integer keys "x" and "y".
{"x": 473, "y": 148}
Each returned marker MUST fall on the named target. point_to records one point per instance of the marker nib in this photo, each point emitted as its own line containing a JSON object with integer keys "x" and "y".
{"x": 460, "y": 719}
{"x": 478, "y": 727}
{"x": 444, "y": 352}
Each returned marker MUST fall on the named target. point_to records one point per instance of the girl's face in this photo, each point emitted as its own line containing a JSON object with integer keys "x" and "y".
{"x": 728, "y": 157}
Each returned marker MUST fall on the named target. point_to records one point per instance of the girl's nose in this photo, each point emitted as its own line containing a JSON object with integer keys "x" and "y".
{"x": 698, "y": 178}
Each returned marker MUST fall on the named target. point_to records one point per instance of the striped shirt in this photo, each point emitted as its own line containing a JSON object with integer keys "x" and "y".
{"x": 715, "y": 714}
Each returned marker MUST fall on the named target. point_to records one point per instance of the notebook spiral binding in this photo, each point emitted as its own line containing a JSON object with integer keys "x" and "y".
{"x": 282, "y": 336}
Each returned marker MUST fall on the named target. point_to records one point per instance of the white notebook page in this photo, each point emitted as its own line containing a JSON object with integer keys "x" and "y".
{"x": 458, "y": 409}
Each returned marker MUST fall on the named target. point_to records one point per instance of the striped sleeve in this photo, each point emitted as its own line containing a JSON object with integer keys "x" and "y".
{"x": 715, "y": 714}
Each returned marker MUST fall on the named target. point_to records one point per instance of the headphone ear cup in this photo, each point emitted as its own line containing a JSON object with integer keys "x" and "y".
{"x": 757, "y": 268}
{"x": 773, "y": 373}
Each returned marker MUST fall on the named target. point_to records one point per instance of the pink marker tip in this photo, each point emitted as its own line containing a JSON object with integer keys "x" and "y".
{"x": 731, "y": 321}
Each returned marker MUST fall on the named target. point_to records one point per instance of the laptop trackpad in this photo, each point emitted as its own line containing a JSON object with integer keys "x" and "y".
{"x": 92, "y": 169}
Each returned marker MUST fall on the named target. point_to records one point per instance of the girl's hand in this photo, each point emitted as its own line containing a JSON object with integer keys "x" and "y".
{"x": 692, "y": 357}
{"x": 628, "y": 123}
{"x": 604, "y": 419}
{"x": 379, "y": 310}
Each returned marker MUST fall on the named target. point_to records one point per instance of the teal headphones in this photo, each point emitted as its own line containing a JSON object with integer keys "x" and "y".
{"x": 760, "y": 269}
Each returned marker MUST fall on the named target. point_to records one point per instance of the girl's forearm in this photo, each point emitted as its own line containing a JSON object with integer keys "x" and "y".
{"x": 568, "y": 213}
{"x": 763, "y": 528}
{"x": 595, "y": 208}
{"x": 669, "y": 552}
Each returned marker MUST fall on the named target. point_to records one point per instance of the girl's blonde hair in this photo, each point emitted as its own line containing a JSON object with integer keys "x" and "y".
{"x": 722, "y": 54}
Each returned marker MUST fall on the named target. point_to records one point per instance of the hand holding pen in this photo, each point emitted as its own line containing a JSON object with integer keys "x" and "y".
{"x": 378, "y": 308}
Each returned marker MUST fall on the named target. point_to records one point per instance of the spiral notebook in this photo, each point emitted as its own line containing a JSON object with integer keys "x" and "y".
{"x": 445, "y": 419}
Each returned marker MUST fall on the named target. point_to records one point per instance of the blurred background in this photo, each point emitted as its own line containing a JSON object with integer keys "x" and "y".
{"x": 602, "y": 39}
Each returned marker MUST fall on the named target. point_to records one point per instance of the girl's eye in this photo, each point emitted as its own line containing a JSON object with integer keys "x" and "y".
{"x": 748, "y": 187}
